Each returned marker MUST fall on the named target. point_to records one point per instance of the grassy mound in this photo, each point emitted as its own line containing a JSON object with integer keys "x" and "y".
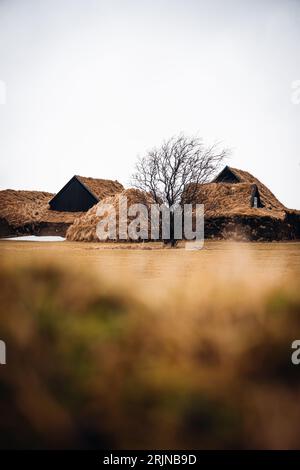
{"x": 84, "y": 227}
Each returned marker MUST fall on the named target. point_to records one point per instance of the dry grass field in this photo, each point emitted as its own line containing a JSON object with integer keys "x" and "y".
{"x": 139, "y": 346}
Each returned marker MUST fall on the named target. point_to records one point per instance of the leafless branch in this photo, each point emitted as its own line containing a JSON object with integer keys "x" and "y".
{"x": 180, "y": 163}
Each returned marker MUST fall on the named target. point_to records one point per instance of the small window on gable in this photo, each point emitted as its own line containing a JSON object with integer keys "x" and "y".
{"x": 255, "y": 202}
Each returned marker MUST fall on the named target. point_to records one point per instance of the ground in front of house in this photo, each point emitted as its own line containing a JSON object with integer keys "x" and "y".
{"x": 139, "y": 346}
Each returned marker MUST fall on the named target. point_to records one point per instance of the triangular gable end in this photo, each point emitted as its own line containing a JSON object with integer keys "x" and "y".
{"x": 227, "y": 176}
{"x": 73, "y": 197}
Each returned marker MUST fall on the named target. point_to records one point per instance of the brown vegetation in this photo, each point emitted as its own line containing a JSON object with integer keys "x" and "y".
{"x": 28, "y": 212}
{"x": 23, "y": 212}
{"x": 101, "y": 188}
{"x": 226, "y": 199}
{"x": 268, "y": 199}
{"x": 84, "y": 227}
{"x": 95, "y": 362}
{"x": 229, "y": 211}
{"x": 23, "y": 207}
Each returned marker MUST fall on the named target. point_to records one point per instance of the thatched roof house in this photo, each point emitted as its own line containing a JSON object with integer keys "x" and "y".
{"x": 235, "y": 191}
{"x": 81, "y": 193}
{"x": 43, "y": 213}
{"x": 234, "y": 176}
{"x": 21, "y": 207}
{"x": 27, "y": 212}
{"x": 237, "y": 205}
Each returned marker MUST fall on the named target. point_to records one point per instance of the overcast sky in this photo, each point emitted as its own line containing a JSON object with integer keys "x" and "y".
{"x": 86, "y": 86}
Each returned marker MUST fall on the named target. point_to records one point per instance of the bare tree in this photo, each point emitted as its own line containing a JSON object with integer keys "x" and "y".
{"x": 179, "y": 163}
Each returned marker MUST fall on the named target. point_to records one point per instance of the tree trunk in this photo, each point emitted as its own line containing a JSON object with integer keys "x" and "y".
{"x": 171, "y": 241}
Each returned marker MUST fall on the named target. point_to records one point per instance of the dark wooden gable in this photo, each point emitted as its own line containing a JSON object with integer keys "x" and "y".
{"x": 226, "y": 176}
{"x": 73, "y": 197}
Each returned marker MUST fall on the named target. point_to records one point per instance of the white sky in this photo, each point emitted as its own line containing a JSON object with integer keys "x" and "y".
{"x": 92, "y": 84}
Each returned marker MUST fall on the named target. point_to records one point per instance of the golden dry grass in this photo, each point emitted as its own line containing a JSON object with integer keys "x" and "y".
{"x": 101, "y": 188}
{"x": 84, "y": 227}
{"x": 222, "y": 199}
{"x": 21, "y": 208}
{"x": 149, "y": 349}
{"x": 267, "y": 197}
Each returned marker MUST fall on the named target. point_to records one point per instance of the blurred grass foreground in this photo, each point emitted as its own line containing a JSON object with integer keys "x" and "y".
{"x": 97, "y": 363}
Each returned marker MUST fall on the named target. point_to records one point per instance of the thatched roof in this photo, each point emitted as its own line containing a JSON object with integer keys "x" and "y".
{"x": 234, "y": 175}
{"x": 232, "y": 192}
{"x": 84, "y": 227}
{"x": 101, "y": 188}
{"x": 21, "y": 208}
{"x": 230, "y": 199}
